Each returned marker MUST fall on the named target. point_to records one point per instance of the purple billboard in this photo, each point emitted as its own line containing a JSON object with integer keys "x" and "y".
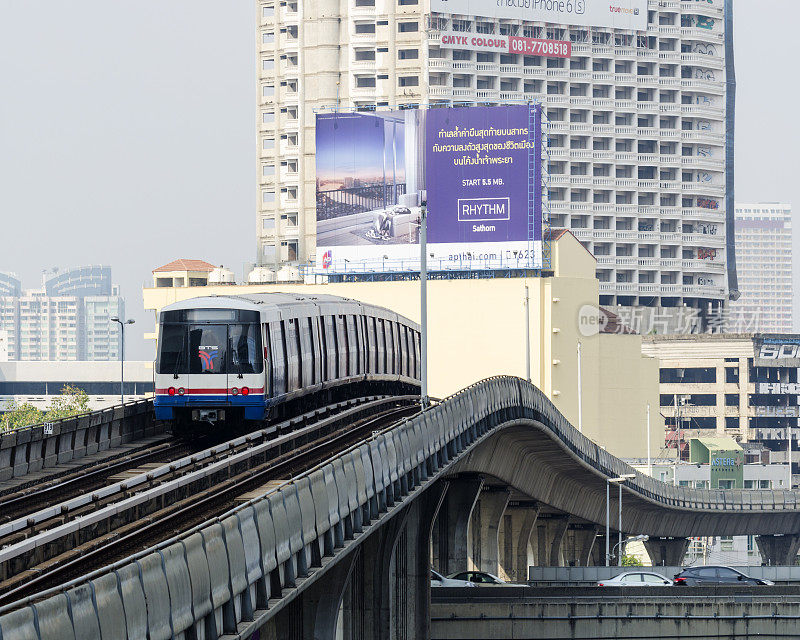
{"x": 477, "y": 169}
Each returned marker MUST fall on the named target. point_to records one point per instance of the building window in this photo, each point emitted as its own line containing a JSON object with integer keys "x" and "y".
{"x": 408, "y": 54}
{"x": 408, "y": 81}
{"x": 407, "y": 27}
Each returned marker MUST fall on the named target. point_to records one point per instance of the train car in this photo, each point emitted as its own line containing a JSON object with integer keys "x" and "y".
{"x": 234, "y": 359}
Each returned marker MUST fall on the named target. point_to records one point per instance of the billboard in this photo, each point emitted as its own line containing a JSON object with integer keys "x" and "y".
{"x": 615, "y": 14}
{"x": 476, "y": 169}
{"x": 505, "y": 44}
{"x": 777, "y": 351}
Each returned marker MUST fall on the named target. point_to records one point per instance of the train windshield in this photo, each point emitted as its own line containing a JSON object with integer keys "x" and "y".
{"x": 210, "y": 348}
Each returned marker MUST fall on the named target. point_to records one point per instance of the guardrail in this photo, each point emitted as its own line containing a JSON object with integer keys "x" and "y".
{"x": 230, "y": 570}
{"x": 582, "y": 576}
{"x": 30, "y": 449}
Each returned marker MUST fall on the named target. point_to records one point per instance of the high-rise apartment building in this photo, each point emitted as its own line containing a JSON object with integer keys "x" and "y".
{"x": 640, "y": 123}
{"x": 764, "y": 250}
{"x": 68, "y": 318}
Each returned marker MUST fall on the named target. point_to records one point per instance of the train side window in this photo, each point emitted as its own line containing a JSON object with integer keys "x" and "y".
{"x": 373, "y": 345}
{"x": 323, "y": 350}
{"x": 309, "y": 363}
{"x": 298, "y": 341}
{"x": 333, "y": 345}
{"x": 288, "y": 367}
{"x": 270, "y": 374}
{"x": 341, "y": 343}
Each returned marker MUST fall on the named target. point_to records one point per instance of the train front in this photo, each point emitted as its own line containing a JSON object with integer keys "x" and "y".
{"x": 210, "y": 365}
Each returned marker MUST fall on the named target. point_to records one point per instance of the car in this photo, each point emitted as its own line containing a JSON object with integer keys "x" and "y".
{"x": 482, "y": 579}
{"x": 438, "y": 580}
{"x": 698, "y": 576}
{"x": 636, "y": 579}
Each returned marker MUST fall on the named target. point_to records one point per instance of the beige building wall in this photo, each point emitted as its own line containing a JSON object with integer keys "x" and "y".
{"x": 477, "y": 330}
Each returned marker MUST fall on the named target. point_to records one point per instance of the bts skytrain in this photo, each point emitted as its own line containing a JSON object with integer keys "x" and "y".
{"x": 231, "y": 359}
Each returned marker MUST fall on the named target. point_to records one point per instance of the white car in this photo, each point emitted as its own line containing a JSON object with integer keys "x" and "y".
{"x": 636, "y": 579}
{"x": 438, "y": 580}
{"x": 481, "y": 579}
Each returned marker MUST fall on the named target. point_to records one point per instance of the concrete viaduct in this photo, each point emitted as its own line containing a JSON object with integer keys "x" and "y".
{"x": 493, "y": 475}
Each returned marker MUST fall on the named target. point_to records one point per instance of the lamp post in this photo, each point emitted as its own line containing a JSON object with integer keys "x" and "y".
{"x": 618, "y": 481}
{"x": 423, "y": 304}
{"x": 122, "y": 355}
{"x": 580, "y": 391}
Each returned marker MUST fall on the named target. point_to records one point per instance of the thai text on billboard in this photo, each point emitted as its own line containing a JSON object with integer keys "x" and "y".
{"x": 478, "y": 169}
{"x": 614, "y": 14}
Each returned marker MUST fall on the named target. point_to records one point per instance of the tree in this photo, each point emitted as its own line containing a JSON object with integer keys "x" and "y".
{"x": 71, "y": 401}
{"x": 631, "y": 561}
{"x": 20, "y": 415}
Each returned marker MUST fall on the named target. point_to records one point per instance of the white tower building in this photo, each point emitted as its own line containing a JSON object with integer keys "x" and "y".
{"x": 640, "y": 122}
{"x": 764, "y": 246}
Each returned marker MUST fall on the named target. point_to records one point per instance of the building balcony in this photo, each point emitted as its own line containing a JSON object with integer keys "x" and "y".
{"x": 704, "y": 239}
{"x": 703, "y": 265}
{"x": 533, "y": 72}
{"x": 702, "y": 111}
{"x": 706, "y": 35}
{"x": 580, "y": 75}
{"x": 512, "y": 96}
{"x": 511, "y": 69}
{"x": 487, "y": 94}
{"x": 703, "y": 60}
{"x": 487, "y": 67}
{"x": 696, "y": 84}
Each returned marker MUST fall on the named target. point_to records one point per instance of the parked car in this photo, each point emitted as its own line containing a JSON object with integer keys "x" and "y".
{"x": 438, "y": 580}
{"x": 481, "y": 578}
{"x": 636, "y": 579}
{"x": 698, "y": 576}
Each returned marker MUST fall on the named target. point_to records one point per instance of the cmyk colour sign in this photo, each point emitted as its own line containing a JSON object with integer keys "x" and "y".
{"x": 505, "y": 44}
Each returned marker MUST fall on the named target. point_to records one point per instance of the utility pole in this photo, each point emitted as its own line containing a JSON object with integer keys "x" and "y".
{"x": 580, "y": 391}
{"x": 423, "y": 287}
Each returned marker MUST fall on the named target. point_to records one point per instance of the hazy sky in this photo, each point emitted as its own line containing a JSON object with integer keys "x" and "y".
{"x": 127, "y": 132}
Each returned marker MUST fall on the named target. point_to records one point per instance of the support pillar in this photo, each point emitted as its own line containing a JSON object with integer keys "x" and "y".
{"x": 557, "y": 527}
{"x": 778, "y": 550}
{"x": 389, "y": 592}
{"x": 492, "y": 506}
{"x": 667, "y": 552}
{"x": 322, "y": 601}
{"x": 579, "y": 552}
{"x": 520, "y": 521}
{"x": 453, "y": 523}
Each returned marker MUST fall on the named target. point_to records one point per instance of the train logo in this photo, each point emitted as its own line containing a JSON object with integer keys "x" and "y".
{"x": 327, "y": 259}
{"x": 207, "y": 358}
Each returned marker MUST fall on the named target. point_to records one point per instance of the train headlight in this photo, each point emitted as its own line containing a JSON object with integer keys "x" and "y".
{"x": 245, "y": 390}
{"x": 171, "y": 391}
{"x": 181, "y": 391}
{"x": 234, "y": 391}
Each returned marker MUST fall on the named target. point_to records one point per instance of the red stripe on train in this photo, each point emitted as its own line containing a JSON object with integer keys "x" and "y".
{"x": 218, "y": 392}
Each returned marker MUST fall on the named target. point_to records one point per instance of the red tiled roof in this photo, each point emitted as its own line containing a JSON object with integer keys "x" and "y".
{"x": 184, "y": 264}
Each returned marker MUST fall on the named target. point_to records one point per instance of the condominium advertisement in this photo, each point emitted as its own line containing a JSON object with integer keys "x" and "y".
{"x": 482, "y": 169}
{"x": 614, "y": 14}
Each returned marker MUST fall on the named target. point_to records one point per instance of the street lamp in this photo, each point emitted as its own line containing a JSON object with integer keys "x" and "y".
{"x": 624, "y": 543}
{"x": 618, "y": 481}
{"x": 122, "y": 355}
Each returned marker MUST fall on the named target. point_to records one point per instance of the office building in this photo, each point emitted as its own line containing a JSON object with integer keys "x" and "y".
{"x": 67, "y": 319}
{"x": 764, "y": 250}
{"x": 740, "y": 385}
{"x": 640, "y": 123}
